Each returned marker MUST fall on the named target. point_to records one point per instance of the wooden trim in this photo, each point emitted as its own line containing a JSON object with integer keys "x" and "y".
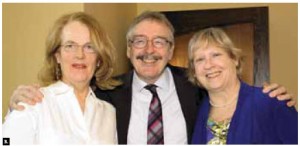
{"x": 193, "y": 20}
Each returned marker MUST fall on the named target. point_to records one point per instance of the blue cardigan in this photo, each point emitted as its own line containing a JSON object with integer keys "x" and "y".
{"x": 258, "y": 119}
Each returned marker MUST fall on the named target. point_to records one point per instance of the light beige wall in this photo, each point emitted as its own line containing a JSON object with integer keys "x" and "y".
{"x": 190, "y": 6}
{"x": 115, "y": 18}
{"x": 283, "y": 29}
{"x": 284, "y": 45}
{"x": 25, "y": 27}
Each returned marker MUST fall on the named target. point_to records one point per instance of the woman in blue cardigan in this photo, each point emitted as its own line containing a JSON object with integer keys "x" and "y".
{"x": 234, "y": 112}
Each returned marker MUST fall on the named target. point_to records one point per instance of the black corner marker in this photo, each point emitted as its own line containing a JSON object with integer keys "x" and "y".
{"x": 6, "y": 141}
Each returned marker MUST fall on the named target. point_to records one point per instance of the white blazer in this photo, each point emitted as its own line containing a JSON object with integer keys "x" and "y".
{"x": 58, "y": 119}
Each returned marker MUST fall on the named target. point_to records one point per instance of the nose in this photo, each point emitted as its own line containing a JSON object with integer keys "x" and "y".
{"x": 149, "y": 47}
{"x": 79, "y": 52}
{"x": 208, "y": 63}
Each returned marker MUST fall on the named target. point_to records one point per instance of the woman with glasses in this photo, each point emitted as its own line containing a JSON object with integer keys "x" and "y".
{"x": 77, "y": 51}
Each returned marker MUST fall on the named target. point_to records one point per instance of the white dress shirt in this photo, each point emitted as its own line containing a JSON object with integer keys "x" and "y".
{"x": 59, "y": 120}
{"x": 173, "y": 120}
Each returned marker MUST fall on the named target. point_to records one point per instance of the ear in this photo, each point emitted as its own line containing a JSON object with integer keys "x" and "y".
{"x": 236, "y": 62}
{"x": 58, "y": 57}
{"x": 128, "y": 52}
{"x": 171, "y": 51}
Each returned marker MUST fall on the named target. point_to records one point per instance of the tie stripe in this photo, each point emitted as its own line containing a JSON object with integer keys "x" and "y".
{"x": 155, "y": 133}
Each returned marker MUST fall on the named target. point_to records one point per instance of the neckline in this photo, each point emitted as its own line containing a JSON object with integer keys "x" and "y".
{"x": 223, "y": 105}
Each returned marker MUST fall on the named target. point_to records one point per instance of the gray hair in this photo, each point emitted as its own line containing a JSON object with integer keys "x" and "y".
{"x": 153, "y": 16}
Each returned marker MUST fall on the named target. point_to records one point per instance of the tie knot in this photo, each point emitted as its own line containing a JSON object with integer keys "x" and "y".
{"x": 151, "y": 88}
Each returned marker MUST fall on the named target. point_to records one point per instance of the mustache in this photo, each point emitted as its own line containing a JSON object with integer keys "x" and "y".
{"x": 149, "y": 57}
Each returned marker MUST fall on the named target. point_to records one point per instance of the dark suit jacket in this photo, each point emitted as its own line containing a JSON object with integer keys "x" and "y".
{"x": 121, "y": 97}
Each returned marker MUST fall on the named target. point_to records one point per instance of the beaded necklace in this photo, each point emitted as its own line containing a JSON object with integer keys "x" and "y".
{"x": 223, "y": 105}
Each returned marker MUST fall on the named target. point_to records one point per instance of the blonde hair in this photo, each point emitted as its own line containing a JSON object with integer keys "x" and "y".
{"x": 105, "y": 51}
{"x": 205, "y": 38}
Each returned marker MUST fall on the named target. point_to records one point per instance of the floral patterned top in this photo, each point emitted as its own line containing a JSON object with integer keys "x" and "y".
{"x": 217, "y": 131}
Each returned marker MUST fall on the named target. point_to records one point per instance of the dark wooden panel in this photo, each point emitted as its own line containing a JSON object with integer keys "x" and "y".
{"x": 190, "y": 21}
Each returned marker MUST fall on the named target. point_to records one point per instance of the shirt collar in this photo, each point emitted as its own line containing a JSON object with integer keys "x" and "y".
{"x": 61, "y": 88}
{"x": 163, "y": 81}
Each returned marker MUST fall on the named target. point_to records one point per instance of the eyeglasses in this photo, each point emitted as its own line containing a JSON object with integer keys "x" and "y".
{"x": 73, "y": 47}
{"x": 142, "y": 41}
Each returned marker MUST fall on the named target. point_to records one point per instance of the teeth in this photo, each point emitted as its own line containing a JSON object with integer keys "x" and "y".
{"x": 212, "y": 75}
{"x": 149, "y": 60}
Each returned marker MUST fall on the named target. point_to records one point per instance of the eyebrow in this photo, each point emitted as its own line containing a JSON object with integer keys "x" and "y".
{"x": 72, "y": 42}
{"x": 134, "y": 36}
{"x": 163, "y": 37}
{"x": 69, "y": 42}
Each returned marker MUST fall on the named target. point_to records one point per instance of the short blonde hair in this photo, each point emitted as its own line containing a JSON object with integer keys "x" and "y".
{"x": 205, "y": 38}
{"x": 105, "y": 51}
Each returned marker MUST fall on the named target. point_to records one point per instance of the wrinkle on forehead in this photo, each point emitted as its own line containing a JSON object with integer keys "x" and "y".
{"x": 152, "y": 28}
{"x": 77, "y": 32}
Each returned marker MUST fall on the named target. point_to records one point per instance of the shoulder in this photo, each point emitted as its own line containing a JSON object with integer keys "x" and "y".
{"x": 54, "y": 89}
{"x": 124, "y": 77}
{"x": 102, "y": 94}
{"x": 105, "y": 106}
{"x": 21, "y": 126}
{"x": 181, "y": 71}
{"x": 29, "y": 110}
{"x": 271, "y": 118}
{"x": 34, "y": 110}
{"x": 262, "y": 101}
{"x": 54, "y": 93}
{"x": 126, "y": 80}
{"x": 181, "y": 80}
{"x": 46, "y": 91}
{"x": 28, "y": 118}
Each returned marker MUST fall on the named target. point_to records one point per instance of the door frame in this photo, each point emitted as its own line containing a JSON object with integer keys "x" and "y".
{"x": 193, "y": 20}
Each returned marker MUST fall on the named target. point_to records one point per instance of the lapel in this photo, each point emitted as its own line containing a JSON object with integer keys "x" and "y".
{"x": 241, "y": 123}
{"x": 187, "y": 93}
{"x": 188, "y": 97}
{"x": 202, "y": 120}
{"x": 121, "y": 99}
{"x": 240, "y": 126}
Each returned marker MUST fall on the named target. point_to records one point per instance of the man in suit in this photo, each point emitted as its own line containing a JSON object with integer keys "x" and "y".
{"x": 150, "y": 45}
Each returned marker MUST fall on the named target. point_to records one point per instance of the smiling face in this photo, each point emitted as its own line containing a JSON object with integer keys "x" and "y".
{"x": 214, "y": 69}
{"x": 149, "y": 62}
{"x": 77, "y": 66}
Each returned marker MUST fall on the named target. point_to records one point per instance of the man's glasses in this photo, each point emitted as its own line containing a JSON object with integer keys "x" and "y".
{"x": 142, "y": 41}
{"x": 73, "y": 47}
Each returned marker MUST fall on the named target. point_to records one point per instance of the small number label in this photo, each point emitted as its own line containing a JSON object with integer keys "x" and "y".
{"x": 5, "y": 141}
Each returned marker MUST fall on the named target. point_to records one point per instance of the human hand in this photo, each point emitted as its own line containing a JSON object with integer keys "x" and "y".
{"x": 29, "y": 94}
{"x": 276, "y": 90}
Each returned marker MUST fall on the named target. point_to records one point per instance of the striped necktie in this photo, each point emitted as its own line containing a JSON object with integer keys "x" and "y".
{"x": 155, "y": 133}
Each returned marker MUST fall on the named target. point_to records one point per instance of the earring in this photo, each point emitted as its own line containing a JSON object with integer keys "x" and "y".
{"x": 58, "y": 72}
{"x": 98, "y": 64}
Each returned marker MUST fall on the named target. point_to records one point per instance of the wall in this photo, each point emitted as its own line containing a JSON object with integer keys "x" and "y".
{"x": 25, "y": 27}
{"x": 27, "y": 31}
{"x": 115, "y": 18}
{"x": 283, "y": 29}
{"x": 284, "y": 45}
